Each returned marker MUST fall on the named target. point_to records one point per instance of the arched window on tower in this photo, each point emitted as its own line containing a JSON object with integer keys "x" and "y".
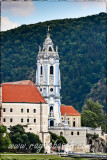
{"x": 51, "y": 69}
{"x": 51, "y": 123}
{"x": 41, "y": 70}
{"x": 50, "y": 49}
{"x": 73, "y": 123}
{"x": 51, "y": 111}
{"x": 51, "y": 108}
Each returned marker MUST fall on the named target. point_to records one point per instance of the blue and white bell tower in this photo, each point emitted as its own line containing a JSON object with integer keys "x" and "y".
{"x": 48, "y": 79}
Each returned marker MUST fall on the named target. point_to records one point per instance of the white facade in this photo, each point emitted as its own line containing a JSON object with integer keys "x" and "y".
{"x": 76, "y": 137}
{"x": 73, "y": 135}
{"x": 33, "y": 117}
{"x": 25, "y": 114}
{"x": 48, "y": 79}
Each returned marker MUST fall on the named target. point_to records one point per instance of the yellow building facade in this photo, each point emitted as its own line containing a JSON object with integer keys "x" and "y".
{"x": 72, "y": 116}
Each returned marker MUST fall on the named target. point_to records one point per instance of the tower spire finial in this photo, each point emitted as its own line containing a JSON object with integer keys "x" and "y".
{"x": 48, "y": 35}
{"x": 48, "y": 28}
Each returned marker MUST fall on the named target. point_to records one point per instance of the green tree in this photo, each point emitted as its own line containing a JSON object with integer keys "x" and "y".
{"x": 17, "y": 128}
{"x": 31, "y": 141}
{"x": 61, "y": 140}
{"x": 4, "y": 139}
{"x": 92, "y": 115}
{"x": 57, "y": 139}
{"x": 89, "y": 119}
{"x": 96, "y": 108}
{"x": 35, "y": 143}
{"x": 104, "y": 123}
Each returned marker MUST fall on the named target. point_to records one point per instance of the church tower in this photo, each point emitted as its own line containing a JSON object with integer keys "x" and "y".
{"x": 48, "y": 79}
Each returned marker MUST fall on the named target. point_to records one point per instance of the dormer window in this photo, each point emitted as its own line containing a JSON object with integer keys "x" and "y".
{"x": 50, "y": 49}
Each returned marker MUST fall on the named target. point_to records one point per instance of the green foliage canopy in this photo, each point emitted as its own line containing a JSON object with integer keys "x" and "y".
{"x": 55, "y": 139}
{"x": 31, "y": 141}
{"x": 89, "y": 119}
{"x": 93, "y": 116}
{"x": 4, "y": 139}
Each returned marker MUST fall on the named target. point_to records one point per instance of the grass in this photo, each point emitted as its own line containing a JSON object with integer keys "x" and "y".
{"x": 32, "y": 157}
{"x": 39, "y": 157}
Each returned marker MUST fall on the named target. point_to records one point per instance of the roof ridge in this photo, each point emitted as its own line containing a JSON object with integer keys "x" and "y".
{"x": 20, "y": 84}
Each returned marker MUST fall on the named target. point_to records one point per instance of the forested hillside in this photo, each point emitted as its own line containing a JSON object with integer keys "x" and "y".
{"x": 98, "y": 92}
{"x": 82, "y": 51}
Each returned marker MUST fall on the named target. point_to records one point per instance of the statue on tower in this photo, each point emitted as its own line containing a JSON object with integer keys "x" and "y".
{"x": 39, "y": 48}
{"x": 56, "y": 48}
{"x": 65, "y": 122}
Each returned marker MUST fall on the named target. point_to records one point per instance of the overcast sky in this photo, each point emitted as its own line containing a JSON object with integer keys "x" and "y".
{"x": 16, "y": 13}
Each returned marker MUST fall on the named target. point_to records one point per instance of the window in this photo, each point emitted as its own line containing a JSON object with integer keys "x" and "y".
{"x": 51, "y": 111}
{"x": 61, "y": 133}
{"x": 21, "y": 119}
{"x": 11, "y": 110}
{"x": 30, "y": 128}
{"x": 34, "y": 120}
{"x": 78, "y": 133}
{"x": 51, "y": 69}
{"x": 27, "y": 110}
{"x": 51, "y": 89}
{"x": 51, "y": 123}
{"x": 72, "y": 133}
{"x": 51, "y": 108}
{"x": 41, "y": 70}
{"x": 4, "y": 119}
{"x": 11, "y": 120}
{"x": 4, "y": 109}
{"x": 22, "y": 110}
{"x": 34, "y": 110}
{"x": 41, "y": 89}
{"x": 73, "y": 123}
{"x": 28, "y": 120}
{"x": 50, "y": 49}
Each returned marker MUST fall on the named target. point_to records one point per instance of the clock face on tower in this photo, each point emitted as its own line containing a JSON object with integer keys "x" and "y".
{"x": 51, "y": 60}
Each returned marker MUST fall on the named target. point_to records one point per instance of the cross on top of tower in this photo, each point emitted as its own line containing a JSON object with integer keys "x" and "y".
{"x": 48, "y": 28}
{"x": 48, "y": 35}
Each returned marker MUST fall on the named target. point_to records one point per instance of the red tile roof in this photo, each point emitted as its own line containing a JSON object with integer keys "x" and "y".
{"x": 69, "y": 111}
{"x": 26, "y": 91}
{"x": 20, "y": 82}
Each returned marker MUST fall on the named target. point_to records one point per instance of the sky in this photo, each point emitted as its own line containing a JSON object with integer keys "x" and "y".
{"x": 17, "y": 13}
